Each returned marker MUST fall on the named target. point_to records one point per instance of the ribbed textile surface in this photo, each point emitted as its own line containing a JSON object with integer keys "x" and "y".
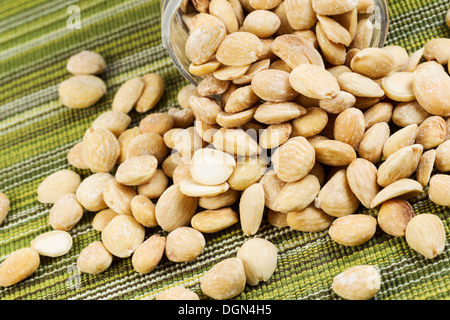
{"x": 37, "y": 131}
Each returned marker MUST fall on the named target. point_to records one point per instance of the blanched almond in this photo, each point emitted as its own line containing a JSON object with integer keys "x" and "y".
{"x": 394, "y": 215}
{"x": 223, "y": 10}
{"x": 357, "y": 283}
{"x": 206, "y": 109}
{"x": 400, "y": 139}
{"x": 102, "y": 218}
{"x": 213, "y": 220}
{"x": 86, "y": 62}
{"x": 154, "y": 86}
{"x": 211, "y": 167}
{"x": 251, "y": 209}
{"x": 184, "y": 244}
{"x": 210, "y": 85}
{"x": 273, "y": 86}
{"x": 235, "y": 141}
{"x": 341, "y": 102}
{"x": 314, "y": 82}
{"x": 275, "y": 135}
{"x": 309, "y": 219}
{"x": 439, "y": 188}
{"x": 425, "y": 233}
{"x": 118, "y": 196}
{"x": 406, "y": 113}
{"x": 404, "y": 189}
{"x": 334, "y": 31}
{"x": 57, "y": 184}
{"x": 158, "y": 123}
{"x": 437, "y": 49}
{"x": 239, "y": 49}
{"x": 178, "y": 293}
{"x": 148, "y": 143}
{"x": 262, "y": 23}
{"x": 362, "y": 179}
{"x": 52, "y": 244}
{"x": 4, "y": 207}
{"x": 334, "y": 53}
{"x": 333, "y": 7}
{"x": 101, "y": 149}
{"x": 359, "y": 85}
{"x": 94, "y": 258}
{"x": 353, "y": 230}
{"x": 137, "y": 170}
{"x": 295, "y": 196}
{"x": 300, "y": 14}
{"x": 81, "y": 91}
{"x": 147, "y": 256}
{"x": 425, "y": 167}
{"x": 398, "y": 86}
{"x": 65, "y": 212}
{"x": 374, "y": 63}
{"x": 443, "y": 157}
{"x": 272, "y": 185}
{"x": 380, "y": 112}
{"x": 334, "y": 153}
{"x": 90, "y": 191}
{"x": 143, "y": 210}
{"x": 431, "y": 132}
{"x": 225, "y": 199}
{"x": 128, "y": 94}
{"x": 311, "y": 123}
{"x": 278, "y": 112}
{"x": 18, "y": 266}
{"x": 248, "y": 170}
{"x": 349, "y": 127}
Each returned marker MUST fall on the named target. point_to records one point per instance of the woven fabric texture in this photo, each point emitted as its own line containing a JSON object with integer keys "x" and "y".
{"x": 37, "y": 131}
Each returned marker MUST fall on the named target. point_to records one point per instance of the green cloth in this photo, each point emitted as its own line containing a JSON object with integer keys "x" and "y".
{"x": 36, "y": 132}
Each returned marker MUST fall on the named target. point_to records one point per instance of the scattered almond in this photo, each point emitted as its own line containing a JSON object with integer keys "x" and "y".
{"x": 357, "y": 283}
{"x": 394, "y": 215}
{"x": 425, "y": 233}
{"x": 94, "y": 258}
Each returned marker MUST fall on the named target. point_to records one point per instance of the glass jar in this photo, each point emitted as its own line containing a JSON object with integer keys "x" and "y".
{"x": 174, "y": 33}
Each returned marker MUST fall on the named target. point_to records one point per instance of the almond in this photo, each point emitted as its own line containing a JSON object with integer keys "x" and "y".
{"x": 262, "y": 23}
{"x": 353, "y": 230}
{"x": 357, "y": 283}
{"x": 309, "y": 219}
{"x": 225, "y": 199}
{"x": 380, "y": 112}
{"x": 75, "y": 156}
{"x": 437, "y": 49}
{"x": 334, "y": 53}
{"x": 359, "y": 85}
{"x": 248, "y": 170}
{"x": 398, "y": 86}
{"x": 273, "y": 86}
{"x": 295, "y": 196}
{"x": 310, "y": 123}
{"x": 333, "y": 7}
{"x": 94, "y": 258}
{"x": 114, "y": 121}
{"x": 394, "y": 215}
{"x": 90, "y": 191}
{"x": 279, "y": 112}
{"x": 128, "y": 94}
{"x": 443, "y": 157}
{"x": 223, "y": 10}
{"x": 124, "y": 141}
{"x": 174, "y": 209}
{"x": 362, "y": 179}
{"x": 102, "y": 218}
{"x": 439, "y": 188}
{"x": 4, "y": 207}
{"x": 314, "y": 82}
{"x": 275, "y": 135}
{"x": 123, "y": 235}
{"x": 259, "y": 257}
{"x": 57, "y": 184}
{"x": 431, "y": 132}
{"x": 425, "y": 167}
{"x": 81, "y": 91}
{"x": 349, "y": 127}
{"x": 205, "y": 109}
{"x": 184, "y": 244}
{"x": 177, "y": 293}
{"x": 147, "y": 256}
{"x": 101, "y": 149}
{"x": 404, "y": 189}
{"x": 214, "y": 220}
{"x": 235, "y": 141}
{"x": 211, "y": 167}
{"x": 374, "y": 63}
{"x": 18, "y": 266}
{"x": 251, "y": 209}
{"x": 407, "y": 113}
{"x": 136, "y": 170}
{"x": 147, "y": 144}
{"x": 158, "y": 123}
{"x": 143, "y": 210}
{"x": 225, "y": 280}
{"x": 402, "y": 138}
{"x": 300, "y": 14}
{"x": 241, "y": 99}
{"x": 295, "y": 50}
{"x": 154, "y": 87}
{"x": 52, "y": 244}
{"x": 210, "y": 85}
{"x": 86, "y": 62}
{"x": 425, "y": 233}
{"x": 65, "y": 213}
{"x": 335, "y": 32}
{"x": 239, "y": 49}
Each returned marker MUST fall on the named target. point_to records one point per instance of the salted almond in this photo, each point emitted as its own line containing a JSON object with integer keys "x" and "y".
{"x": 280, "y": 65}
{"x": 102, "y": 218}
{"x": 366, "y": 102}
{"x": 413, "y": 61}
{"x": 259, "y": 257}
{"x": 294, "y": 159}
{"x": 334, "y": 31}
{"x": 374, "y": 63}
{"x": 437, "y": 49}
{"x": 277, "y": 219}
{"x": 334, "y": 7}
{"x": 239, "y": 49}
{"x": 262, "y": 23}
{"x": 349, "y": 127}
{"x": 230, "y": 73}
{"x": 275, "y": 135}
{"x": 241, "y": 99}
{"x": 118, "y": 196}
{"x": 147, "y": 256}
{"x": 86, "y": 62}
{"x": 204, "y": 68}
{"x": 58, "y": 184}
{"x": 341, "y": 102}
{"x": 362, "y": 179}
{"x": 90, "y": 191}
{"x": 223, "y": 10}
{"x": 363, "y": 35}
{"x": 443, "y": 157}
{"x": 358, "y": 282}
{"x": 400, "y": 55}
{"x": 81, "y": 91}
{"x": 211, "y": 167}
{"x": 225, "y": 199}
{"x": 235, "y": 141}
{"x": 53, "y": 243}
{"x": 406, "y": 113}
{"x": 143, "y": 210}
{"x": 334, "y": 53}
{"x": 314, "y": 82}
{"x": 171, "y": 162}
{"x": 214, "y": 220}
{"x": 273, "y": 86}
{"x": 210, "y": 85}
{"x": 336, "y": 197}
{"x": 425, "y": 233}
{"x": 136, "y": 170}
{"x": 300, "y": 14}
{"x": 400, "y": 139}
{"x": 278, "y": 112}
{"x": 225, "y": 280}
{"x": 158, "y": 123}
{"x": 394, "y": 215}
{"x": 311, "y": 123}
{"x": 148, "y": 143}
{"x": 114, "y": 121}
{"x": 18, "y": 266}
{"x": 201, "y": 5}
{"x": 192, "y": 188}
{"x": 359, "y": 85}
{"x": 205, "y": 37}
{"x": 155, "y": 186}
{"x": 404, "y": 189}
{"x": 353, "y": 230}
{"x": 174, "y": 209}
{"x": 186, "y": 143}
{"x": 182, "y": 118}
{"x": 348, "y": 20}
{"x": 154, "y": 87}
{"x": 94, "y": 258}
{"x": 272, "y": 185}
{"x": 295, "y": 196}
{"x": 124, "y": 140}
{"x": 252, "y": 71}
{"x": 401, "y": 164}
{"x": 75, "y": 156}
{"x": 366, "y": 6}
{"x": 101, "y": 149}
{"x": 184, "y": 244}
{"x": 432, "y": 88}
{"x": 123, "y": 235}
{"x": 285, "y": 27}
{"x": 425, "y": 167}
{"x": 309, "y": 219}
{"x": 248, "y": 170}
{"x": 334, "y": 153}
{"x": 238, "y": 11}
{"x": 263, "y": 4}
{"x": 251, "y": 209}
{"x": 65, "y": 213}
{"x": 438, "y": 190}
{"x": 380, "y": 112}
{"x": 431, "y": 132}
{"x": 398, "y": 86}
{"x": 206, "y": 109}
{"x": 295, "y": 50}
{"x": 184, "y": 95}
{"x": 177, "y": 293}
{"x": 128, "y": 94}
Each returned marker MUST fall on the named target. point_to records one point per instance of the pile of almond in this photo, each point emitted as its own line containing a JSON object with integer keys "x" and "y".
{"x": 294, "y": 118}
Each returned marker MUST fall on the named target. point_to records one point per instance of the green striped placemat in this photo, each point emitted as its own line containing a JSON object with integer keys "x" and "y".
{"x": 36, "y": 132}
